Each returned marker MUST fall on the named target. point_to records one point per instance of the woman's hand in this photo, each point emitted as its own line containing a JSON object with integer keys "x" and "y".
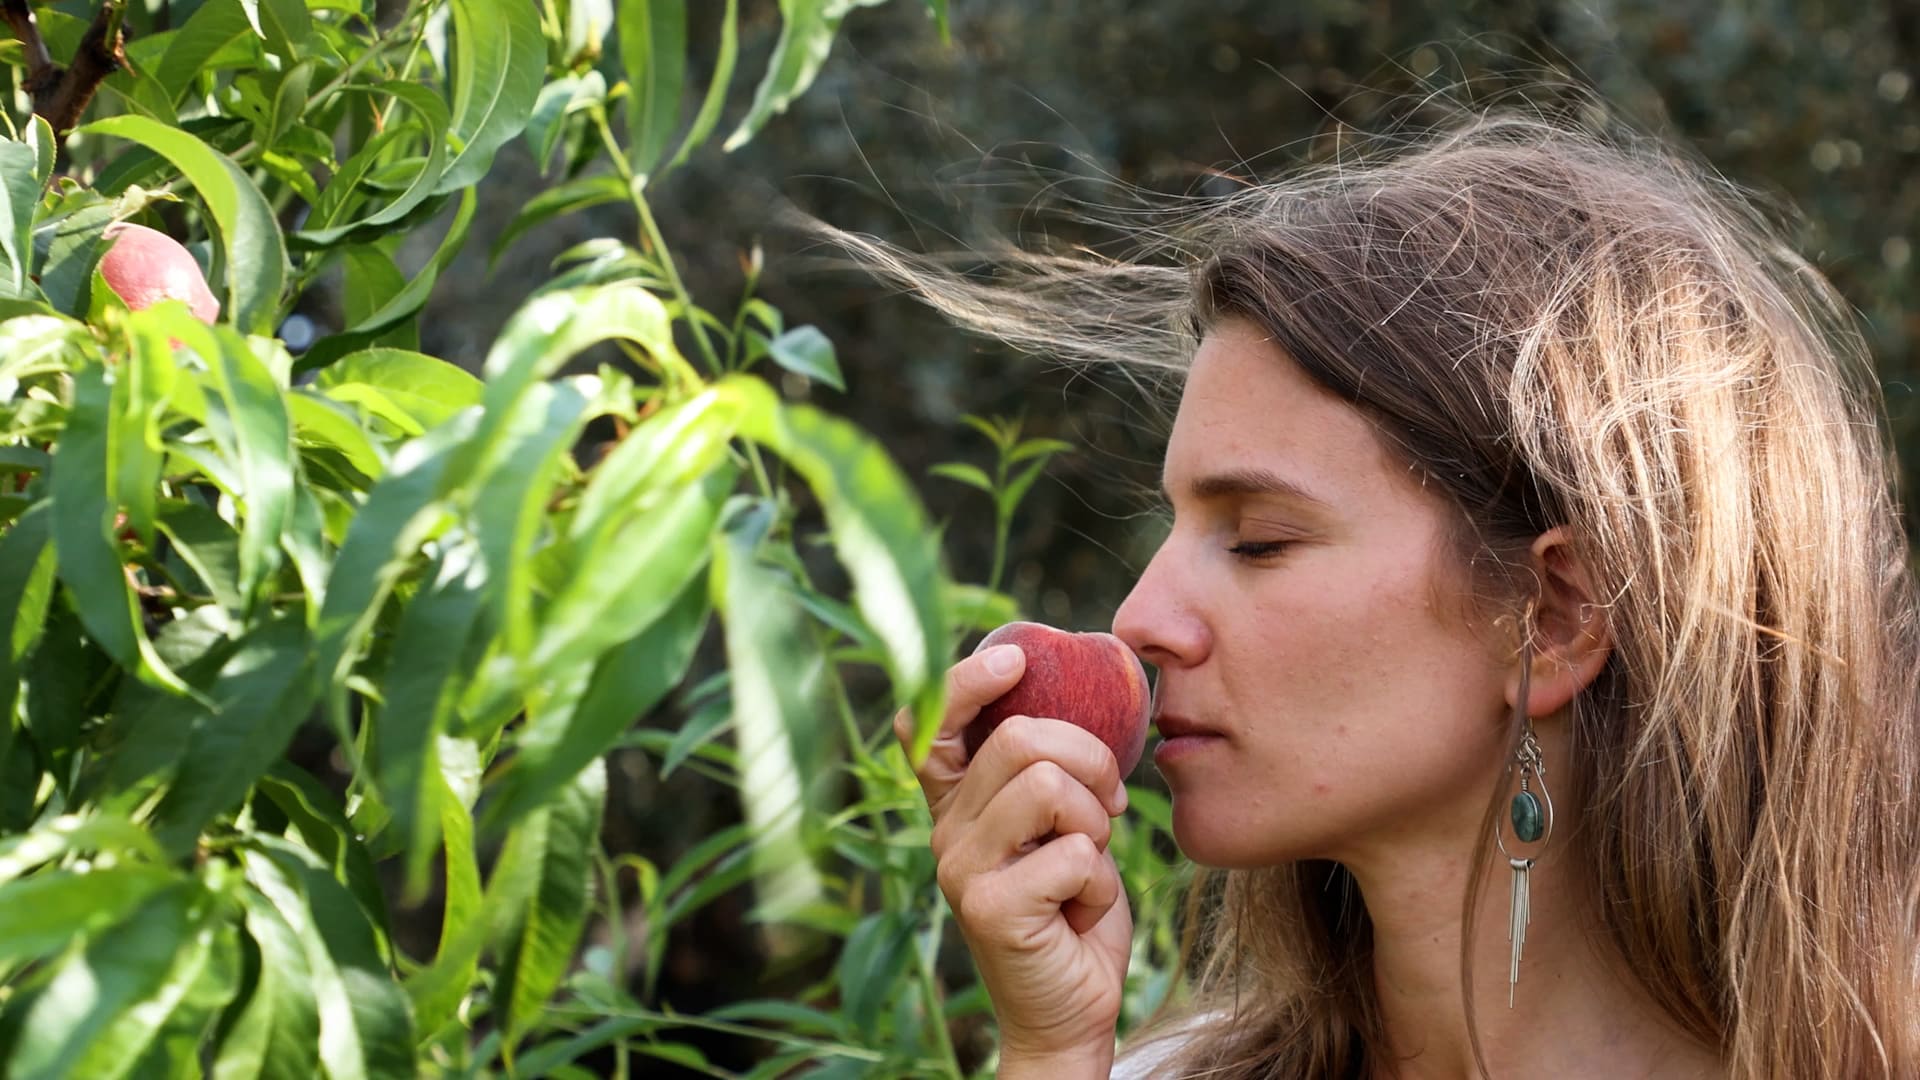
{"x": 1020, "y": 833}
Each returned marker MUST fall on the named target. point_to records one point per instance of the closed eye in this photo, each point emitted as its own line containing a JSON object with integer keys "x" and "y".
{"x": 1258, "y": 549}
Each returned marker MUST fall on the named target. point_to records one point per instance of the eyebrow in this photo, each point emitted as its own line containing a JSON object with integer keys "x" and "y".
{"x": 1244, "y": 482}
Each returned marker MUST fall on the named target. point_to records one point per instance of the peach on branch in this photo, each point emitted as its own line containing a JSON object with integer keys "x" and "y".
{"x": 145, "y": 266}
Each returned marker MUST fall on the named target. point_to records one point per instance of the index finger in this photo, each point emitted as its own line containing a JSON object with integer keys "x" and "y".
{"x": 972, "y": 683}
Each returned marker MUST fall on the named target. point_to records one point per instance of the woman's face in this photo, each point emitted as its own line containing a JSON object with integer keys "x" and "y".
{"x": 1308, "y": 611}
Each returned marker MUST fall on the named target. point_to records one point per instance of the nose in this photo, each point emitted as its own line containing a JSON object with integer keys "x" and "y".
{"x": 1161, "y": 620}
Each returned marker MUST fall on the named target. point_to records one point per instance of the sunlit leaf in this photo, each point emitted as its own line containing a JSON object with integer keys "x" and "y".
{"x": 779, "y": 723}
{"x": 628, "y": 681}
{"x": 103, "y": 1005}
{"x": 547, "y": 860}
{"x": 366, "y": 1024}
{"x": 82, "y": 525}
{"x": 499, "y": 61}
{"x": 277, "y": 1033}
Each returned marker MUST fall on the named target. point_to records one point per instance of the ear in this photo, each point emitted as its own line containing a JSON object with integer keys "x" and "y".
{"x": 1570, "y": 634}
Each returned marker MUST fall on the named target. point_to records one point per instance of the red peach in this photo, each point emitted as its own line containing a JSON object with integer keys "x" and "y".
{"x": 145, "y": 266}
{"x": 1092, "y": 680}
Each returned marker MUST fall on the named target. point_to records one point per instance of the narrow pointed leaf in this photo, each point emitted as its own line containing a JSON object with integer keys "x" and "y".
{"x": 264, "y": 692}
{"x": 653, "y": 48}
{"x": 499, "y": 60}
{"x": 550, "y": 858}
{"x": 779, "y": 723}
{"x": 628, "y": 682}
{"x": 104, "y": 1004}
{"x": 880, "y": 534}
{"x": 82, "y": 526}
{"x": 277, "y": 1033}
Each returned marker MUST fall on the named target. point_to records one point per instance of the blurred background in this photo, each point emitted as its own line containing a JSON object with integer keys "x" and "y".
{"x": 938, "y": 145}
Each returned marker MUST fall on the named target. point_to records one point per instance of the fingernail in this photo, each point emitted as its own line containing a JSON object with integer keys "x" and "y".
{"x": 1120, "y": 801}
{"x": 1003, "y": 659}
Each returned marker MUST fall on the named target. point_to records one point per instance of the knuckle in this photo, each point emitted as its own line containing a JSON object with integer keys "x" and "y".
{"x": 1050, "y": 781}
{"x": 973, "y": 905}
{"x": 1016, "y": 738}
{"x": 1078, "y": 848}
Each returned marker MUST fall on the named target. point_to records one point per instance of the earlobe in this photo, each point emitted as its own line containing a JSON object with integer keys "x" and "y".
{"x": 1568, "y": 628}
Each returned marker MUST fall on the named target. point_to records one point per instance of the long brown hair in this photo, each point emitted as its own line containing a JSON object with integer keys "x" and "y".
{"x": 1561, "y": 328}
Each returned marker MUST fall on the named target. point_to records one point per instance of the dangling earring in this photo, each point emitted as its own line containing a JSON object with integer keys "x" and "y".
{"x": 1530, "y": 817}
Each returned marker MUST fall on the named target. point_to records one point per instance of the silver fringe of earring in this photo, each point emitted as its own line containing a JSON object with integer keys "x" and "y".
{"x": 1530, "y": 819}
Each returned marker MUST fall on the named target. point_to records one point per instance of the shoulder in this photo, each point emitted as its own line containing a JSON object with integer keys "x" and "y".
{"x": 1157, "y": 1047}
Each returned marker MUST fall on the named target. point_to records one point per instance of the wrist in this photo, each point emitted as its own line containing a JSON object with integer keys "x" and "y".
{"x": 1093, "y": 1061}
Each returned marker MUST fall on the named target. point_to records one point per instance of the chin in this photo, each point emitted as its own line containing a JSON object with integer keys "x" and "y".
{"x": 1218, "y": 847}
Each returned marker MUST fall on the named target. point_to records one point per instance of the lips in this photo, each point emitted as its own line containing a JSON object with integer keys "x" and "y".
{"x": 1175, "y": 727}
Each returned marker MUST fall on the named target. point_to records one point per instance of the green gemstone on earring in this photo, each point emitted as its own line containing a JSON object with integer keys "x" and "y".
{"x": 1528, "y": 820}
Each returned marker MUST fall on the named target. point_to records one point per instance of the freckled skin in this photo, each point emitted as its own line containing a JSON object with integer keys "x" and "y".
{"x": 1343, "y": 688}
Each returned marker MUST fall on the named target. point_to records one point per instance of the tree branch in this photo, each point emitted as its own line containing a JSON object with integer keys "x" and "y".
{"x": 61, "y": 94}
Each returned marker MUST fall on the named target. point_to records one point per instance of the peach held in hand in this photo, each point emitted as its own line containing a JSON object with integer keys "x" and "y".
{"x": 1092, "y": 680}
{"x": 145, "y": 266}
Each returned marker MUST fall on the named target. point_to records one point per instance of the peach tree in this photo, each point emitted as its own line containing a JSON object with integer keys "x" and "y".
{"x": 214, "y": 546}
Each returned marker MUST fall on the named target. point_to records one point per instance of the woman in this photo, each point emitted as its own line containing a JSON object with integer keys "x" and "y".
{"x": 1535, "y": 639}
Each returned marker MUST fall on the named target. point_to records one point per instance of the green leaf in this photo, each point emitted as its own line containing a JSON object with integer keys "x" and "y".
{"x": 390, "y": 526}
{"x": 461, "y": 918}
{"x": 26, "y": 589}
{"x": 102, "y": 1007}
{"x": 349, "y": 187}
{"x": 412, "y": 390}
{"x": 427, "y": 647}
{"x": 376, "y": 328}
{"x": 499, "y": 61}
{"x": 570, "y": 197}
{"x": 627, "y": 682}
{"x": 546, "y": 333}
{"x": 558, "y": 100}
{"x": 47, "y": 912}
{"x": 806, "y": 36}
{"x": 255, "y": 253}
{"x": 510, "y": 510}
{"x": 871, "y": 963}
{"x": 208, "y": 31}
{"x": 277, "y": 1032}
{"x": 804, "y": 350}
{"x": 322, "y": 827}
{"x": 880, "y": 534}
{"x": 135, "y": 447}
{"x": 777, "y": 692}
{"x": 964, "y": 473}
{"x": 707, "y": 723}
{"x": 1018, "y": 487}
{"x": 548, "y": 859}
{"x": 716, "y": 98}
{"x": 82, "y": 526}
{"x": 321, "y": 422}
{"x": 70, "y": 833}
{"x": 210, "y": 546}
{"x": 263, "y": 694}
{"x": 619, "y": 588}
{"x": 1038, "y": 448}
{"x": 19, "y": 196}
{"x": 653, "y": 49}
{"x": 283, "y": 24}
{"x": 248, "y": 420}
{"x": 366, "y": 1025}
